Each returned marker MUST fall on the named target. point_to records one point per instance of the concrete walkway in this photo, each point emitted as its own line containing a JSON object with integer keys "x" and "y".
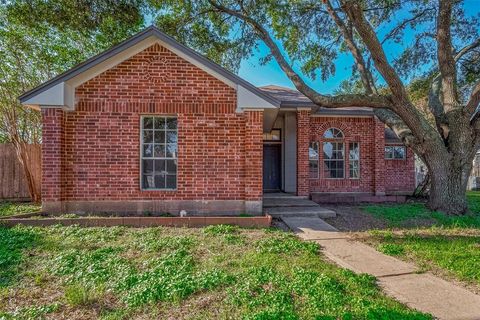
{"x": 424, "y": 292}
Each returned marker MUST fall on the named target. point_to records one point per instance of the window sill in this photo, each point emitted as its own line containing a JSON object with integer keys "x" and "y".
{"x": 168, "y": 190}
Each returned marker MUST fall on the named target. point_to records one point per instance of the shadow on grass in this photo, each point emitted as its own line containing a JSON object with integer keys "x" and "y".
{"x": 13, "y": 243}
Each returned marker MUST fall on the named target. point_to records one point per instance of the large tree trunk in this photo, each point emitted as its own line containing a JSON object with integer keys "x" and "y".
{"x": 448, "y": 186}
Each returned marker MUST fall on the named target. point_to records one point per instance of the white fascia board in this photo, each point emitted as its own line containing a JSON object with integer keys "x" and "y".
{"x": 248, "y": 100}
{"x": 63, "y": 94}
{"x": 53, "y": 97}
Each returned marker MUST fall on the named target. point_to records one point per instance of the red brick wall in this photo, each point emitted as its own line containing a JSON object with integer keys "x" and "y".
{"x": 303, "y": 141}
{"x": 253, "y": 155}
{"x": 355, "y": 130}
{"x": 380, "y": 177}
{"x": 400, "y": 173}
{"x": 53, "y": 137}
{"x": 376, "y": 174}
{"x": 102, "y": 136}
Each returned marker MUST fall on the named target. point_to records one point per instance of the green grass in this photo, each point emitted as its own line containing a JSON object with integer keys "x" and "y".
{"x": 218, "y": 272}
{"x": 455, "y": 252}
{"x": 11, "y": 208}
{"x": 443, "y": 243}
{"x": 400, "y": 215}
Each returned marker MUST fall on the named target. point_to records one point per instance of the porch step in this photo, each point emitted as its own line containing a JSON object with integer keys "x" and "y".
{"x": 282, "y": 195}
{"x": 287, "y": 202}
{"x": 309, "y": 211}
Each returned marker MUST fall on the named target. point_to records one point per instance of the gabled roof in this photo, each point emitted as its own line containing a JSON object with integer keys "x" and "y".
{"x": 58, "y": 82}
{"x": 291, "y": 98}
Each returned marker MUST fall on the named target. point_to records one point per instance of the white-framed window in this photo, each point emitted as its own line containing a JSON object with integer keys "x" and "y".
{"x": 159, "y": 145}
{"x": 334, "y": 154}
{"x": 354, "y": 160}
{"x": 313, "y": 160}
{"x": 395, "y": 152}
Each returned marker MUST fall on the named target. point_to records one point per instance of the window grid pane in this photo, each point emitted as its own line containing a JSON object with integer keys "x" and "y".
{"x": 313, "y": 160}
{"x": 159, "y": 152}
{"x": 333, "y": 155}
{"x": 395, "y": 152}
{"x": 354, "y": 160}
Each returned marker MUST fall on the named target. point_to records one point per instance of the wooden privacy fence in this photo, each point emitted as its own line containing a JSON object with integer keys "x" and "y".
{"x": 12, "y": 178}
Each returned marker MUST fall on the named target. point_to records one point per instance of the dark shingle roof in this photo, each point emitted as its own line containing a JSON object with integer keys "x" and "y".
{"x": 291, "y": 98}
{"x": 391, "y": 137}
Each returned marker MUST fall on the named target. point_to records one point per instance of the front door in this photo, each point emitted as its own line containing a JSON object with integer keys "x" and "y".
{"x": 271, "y": 167}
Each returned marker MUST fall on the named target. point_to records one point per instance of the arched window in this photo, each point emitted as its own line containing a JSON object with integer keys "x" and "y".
{"x": 334, "y": 154}
{"x": 333, "y": 133}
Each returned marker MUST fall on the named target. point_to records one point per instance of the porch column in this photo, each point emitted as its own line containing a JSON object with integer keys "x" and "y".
{"x": 379, "y": 152}
{"x": 303, "y": 142}
{"x": 253, "y": 161}
{"x": 52, "y": 159}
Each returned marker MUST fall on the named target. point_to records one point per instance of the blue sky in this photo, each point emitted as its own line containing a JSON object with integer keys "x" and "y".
{"x": 259, "y": 75}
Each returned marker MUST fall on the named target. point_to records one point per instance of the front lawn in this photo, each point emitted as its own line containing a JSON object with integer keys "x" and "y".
{"x": 454, "y": 253}
{"x": 416, "y": 214}
{"x": 448, "y": 245}
{"x": 12, "y": 208}
{"x": 218, "y": 272}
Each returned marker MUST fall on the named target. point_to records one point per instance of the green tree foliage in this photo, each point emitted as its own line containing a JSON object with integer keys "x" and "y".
{"x": 40, "y": 39}
{"x": 415, "y": 62}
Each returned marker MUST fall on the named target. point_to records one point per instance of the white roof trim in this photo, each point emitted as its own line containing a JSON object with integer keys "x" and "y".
{"x": 61, "y": 94}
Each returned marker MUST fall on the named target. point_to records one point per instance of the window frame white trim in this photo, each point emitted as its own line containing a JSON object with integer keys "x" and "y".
{"x": 393, "y": 152}
{"x": 141, "y": 152}
{"x": 358, "y": 160}
{"x": 318, "y": 160}
{"x": 334, "y": 160}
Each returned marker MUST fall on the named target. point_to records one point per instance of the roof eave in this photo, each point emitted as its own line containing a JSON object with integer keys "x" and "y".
{"x": 150, "y": 31}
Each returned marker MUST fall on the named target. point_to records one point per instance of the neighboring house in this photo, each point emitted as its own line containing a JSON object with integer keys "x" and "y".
{"x": 474, "y": 180}
{"x": 152, "y": 126}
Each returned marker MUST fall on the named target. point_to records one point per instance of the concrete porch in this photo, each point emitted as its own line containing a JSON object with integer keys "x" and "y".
{"x": 280, "y": 204}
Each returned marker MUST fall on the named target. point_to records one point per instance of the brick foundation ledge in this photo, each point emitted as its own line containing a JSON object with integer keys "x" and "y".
{"x": 353, "y": 197}
{"x": 139, "y": 222}
{"x": 143, "y": 207}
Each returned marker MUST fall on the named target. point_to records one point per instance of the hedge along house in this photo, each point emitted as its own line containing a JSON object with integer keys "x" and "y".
{"x": 152, "y": 126}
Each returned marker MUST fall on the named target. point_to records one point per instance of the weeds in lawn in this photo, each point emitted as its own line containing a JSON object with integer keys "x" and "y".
{"x": 30, "y": 313}
{"x": 12, "y": 208}
{"x": 220, "y": 229}
{"x": 391, "y": 249}
{"x": 217, "y": 272}
{"x": 173, "y": 279}
{"x": 399, "y": 215}
{"x": 458, "y": 254}
{"x": 229, "y": 233}
{"x": 79, "y": 295}
{"x": 285, "y": 243}
{"x": 13, "y": 242}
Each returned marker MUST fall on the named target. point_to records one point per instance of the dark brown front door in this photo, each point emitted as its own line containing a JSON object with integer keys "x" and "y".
{"x": 271, "y": 167}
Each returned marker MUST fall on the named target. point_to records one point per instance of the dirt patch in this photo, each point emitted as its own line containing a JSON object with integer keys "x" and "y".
{"x": 352, "y": 218}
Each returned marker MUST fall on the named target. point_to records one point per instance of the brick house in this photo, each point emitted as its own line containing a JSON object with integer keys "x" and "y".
{"x": 152, "y": 126}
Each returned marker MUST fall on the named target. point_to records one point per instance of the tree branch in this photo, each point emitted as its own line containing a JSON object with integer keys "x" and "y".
{"x": 398, "y": 126}
{"x": 347, "y": 33}
{"x": 401, "y": 104}
{"x": 467, "y": 49}
{"x": 339, "y": 101}
{"x": 446, "y": 61}
{"x": 474, "y": 100}
{"x": 403, "y": 24}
